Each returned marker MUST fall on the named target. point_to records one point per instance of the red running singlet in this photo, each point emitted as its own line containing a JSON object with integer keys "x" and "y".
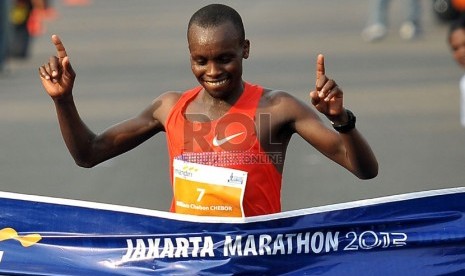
{"x": 218, "y": 167}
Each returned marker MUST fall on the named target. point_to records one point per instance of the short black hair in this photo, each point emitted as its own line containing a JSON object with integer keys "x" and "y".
{"x": 216, "y": 14}
{"x": 456, "y": 25}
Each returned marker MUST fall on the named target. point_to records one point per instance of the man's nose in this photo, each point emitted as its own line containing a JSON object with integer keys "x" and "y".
{"x": 213, "y": 69}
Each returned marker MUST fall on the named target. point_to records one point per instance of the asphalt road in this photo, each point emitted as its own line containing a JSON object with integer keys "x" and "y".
{"x": 405, "y": 95}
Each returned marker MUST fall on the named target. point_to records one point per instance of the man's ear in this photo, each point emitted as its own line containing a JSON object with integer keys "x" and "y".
{"x": 246, "y": 49}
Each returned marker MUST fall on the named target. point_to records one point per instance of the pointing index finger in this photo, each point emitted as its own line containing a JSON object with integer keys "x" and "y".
{"x": 61, "y": 51}
{"x": 320, "y": 66}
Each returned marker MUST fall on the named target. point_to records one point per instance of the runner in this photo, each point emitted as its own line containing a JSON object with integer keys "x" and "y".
{"x": 227, "y": 138}
{"x": 456, "y": 39}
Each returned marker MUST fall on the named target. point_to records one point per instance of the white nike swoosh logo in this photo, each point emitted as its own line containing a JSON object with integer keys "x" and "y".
{"x": 218, "y": 143}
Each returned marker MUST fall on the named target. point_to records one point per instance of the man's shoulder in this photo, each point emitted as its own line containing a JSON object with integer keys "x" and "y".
{"x": 169, "y": 97}
{"x": 273, "y": 93}
{"x": 163, "y": 104}
{"x": 287, "y": 105}
{"x": 276, "y": 97}
{"x": 177, "y": 93}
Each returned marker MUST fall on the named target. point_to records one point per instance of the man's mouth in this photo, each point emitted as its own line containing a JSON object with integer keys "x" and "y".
{"x": 217, "y": 82}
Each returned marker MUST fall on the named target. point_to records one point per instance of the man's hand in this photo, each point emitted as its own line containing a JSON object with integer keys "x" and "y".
{"x": 327, "y": 96}
{"x": 57, "y": 75}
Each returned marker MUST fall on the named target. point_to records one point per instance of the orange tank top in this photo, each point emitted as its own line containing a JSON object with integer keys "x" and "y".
{"x": 217, "y": 166}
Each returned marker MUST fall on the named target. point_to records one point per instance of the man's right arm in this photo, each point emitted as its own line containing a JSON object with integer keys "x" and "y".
{"x": 87, "y": 148}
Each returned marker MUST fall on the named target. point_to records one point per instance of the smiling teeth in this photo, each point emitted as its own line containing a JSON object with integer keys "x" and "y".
{"x": 216, "y": 83}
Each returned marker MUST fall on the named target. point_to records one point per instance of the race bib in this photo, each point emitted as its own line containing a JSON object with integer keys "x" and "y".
{"x": 207, "y": 190}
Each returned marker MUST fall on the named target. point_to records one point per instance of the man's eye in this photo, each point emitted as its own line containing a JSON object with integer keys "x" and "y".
{"x": 225, "y": 60}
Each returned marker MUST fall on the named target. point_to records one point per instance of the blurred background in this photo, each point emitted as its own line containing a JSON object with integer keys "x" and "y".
{"x": 405, "y": 94}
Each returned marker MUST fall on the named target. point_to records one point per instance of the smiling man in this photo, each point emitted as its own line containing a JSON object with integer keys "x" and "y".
{"x": 227, "y": 138}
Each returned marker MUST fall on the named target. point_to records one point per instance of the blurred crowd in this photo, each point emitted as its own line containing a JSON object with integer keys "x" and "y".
{"x": 20, "y": 22}
{"x": 378, "y": 22}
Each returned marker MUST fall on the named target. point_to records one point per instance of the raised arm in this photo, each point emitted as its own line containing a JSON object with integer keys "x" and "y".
{"x": 87, "y": 148}
{"x": 346, "y": 146}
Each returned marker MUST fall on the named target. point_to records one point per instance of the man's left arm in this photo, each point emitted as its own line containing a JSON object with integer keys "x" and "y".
{"x": 345, "y": 144}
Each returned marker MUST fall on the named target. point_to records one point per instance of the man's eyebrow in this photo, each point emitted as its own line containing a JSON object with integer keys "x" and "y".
{"x": 219, "y": 55}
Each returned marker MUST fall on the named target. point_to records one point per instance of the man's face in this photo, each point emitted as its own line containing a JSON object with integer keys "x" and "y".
{"x": 216, "y": 55}
{"x": 457, "y": 44}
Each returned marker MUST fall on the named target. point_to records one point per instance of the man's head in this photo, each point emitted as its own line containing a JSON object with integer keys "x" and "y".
{"x": 215, "y": 15}
{"x": 217, "y": 46}
{"x": 456, "y": 39}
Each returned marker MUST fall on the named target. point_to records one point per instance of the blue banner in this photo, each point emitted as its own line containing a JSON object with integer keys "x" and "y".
{"x": 411, "y": 234}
